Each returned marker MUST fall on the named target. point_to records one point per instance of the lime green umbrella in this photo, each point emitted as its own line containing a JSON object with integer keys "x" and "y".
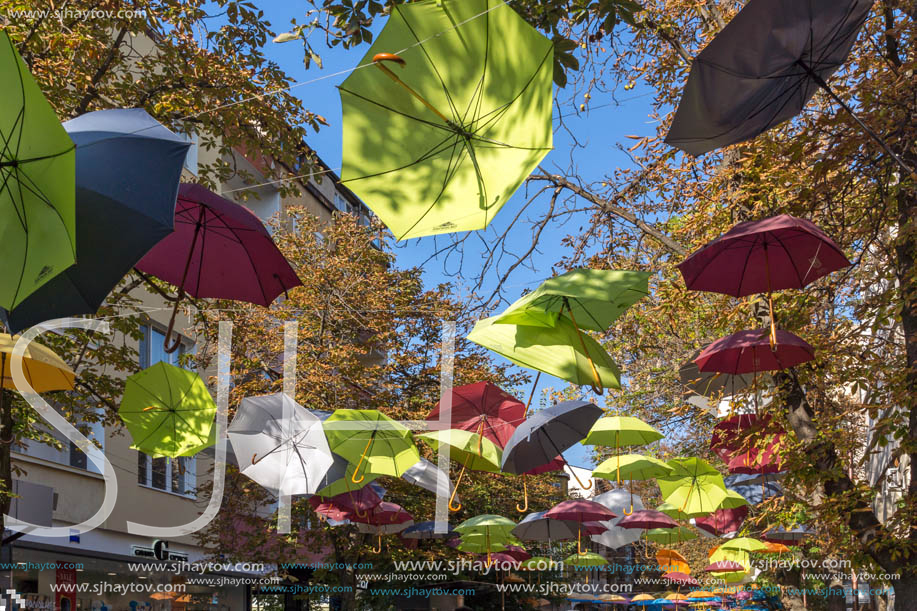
{"x": 373, "y": 441}
{"x": 694, "y": 486}
{"x": 669, "y": 536}
{"x": 733, "y": 500}
{"x": 473, "y": 450}
{"x": 167, "y": 410}
{"x": 591, "y": 298}
{"x": 745, "y": 544}
{"x": 481, "y": 546}
{"x": 585, "y": 560}
{"x": 740, "y": 556}
{"x": 340, "y": 480}
{"x": 209, "y": 443}
{"x": 487, "y": 530}
{"x": 620, "y": 431}
{"x": 675, "y": 512}
{"x": 37, "y": 184}
{"x": 559, "y": 351}
{"x": 439, "y": 141}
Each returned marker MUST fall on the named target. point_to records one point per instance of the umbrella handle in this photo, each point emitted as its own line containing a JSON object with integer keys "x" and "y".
{"x": 579, "y": 547}
{"x": 379, "y": 549}
{"x": 378, "y": 58}
{"x": 525, "y": 493}
{"x": 631, "y": 512}
{"x": 597, "y": 386}
{"x": 353, "y": 476}
{"x": 578, "y": 480}
{"x": 168, "y": 347}
{"x": 531, "y": 395}
{"x": 255, "y": 462}
{"x": 456, "y": 487}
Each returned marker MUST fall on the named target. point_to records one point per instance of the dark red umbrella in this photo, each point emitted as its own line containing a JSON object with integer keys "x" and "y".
{"x": 781, "y": 252}
{"x": 593, "y": 528}
{"x": 555, "y": 465}
{"x": 485, "y": 409}
{"x": 647, "y": 519}
{"x": 218, "y": 249}
{"x": 724, "y": 566}
{"x": 750, "y": 351}
{"x": 344, "y": 506}
{"x": 384, "y": 514}
{"x": 580, "y": 511}
{"x": 726, "y": 439}
{"x": 516, "y": 553}
{"x": 681, "y": 579}
{"x": 723, "y": 521}
{"x": 756, "y": 460}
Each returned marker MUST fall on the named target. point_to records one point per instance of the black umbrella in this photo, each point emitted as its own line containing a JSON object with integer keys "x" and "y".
{"x": 544, "y": 435}
{"x": 128, "y": 167}
{"x": 711, "y": 383}
{"x": 763, "y": 68}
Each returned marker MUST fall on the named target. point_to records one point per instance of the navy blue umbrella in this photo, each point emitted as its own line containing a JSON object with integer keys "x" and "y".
{"x": 544, "y": 435}
{"x": 755, "y": 487}
{"x": 425, "y": 530}
{"x": 128, "y": 167}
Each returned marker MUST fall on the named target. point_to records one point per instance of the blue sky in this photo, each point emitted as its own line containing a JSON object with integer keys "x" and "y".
{"x": 598, "y": 132}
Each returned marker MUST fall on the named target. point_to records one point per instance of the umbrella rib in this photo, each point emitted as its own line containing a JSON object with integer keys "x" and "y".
{"x": 793, "y": 263}
{"x": 437, "y": 149}
{"x": 248, "y": 254}
{"x": 451, "y": 170}
{"x": 477, "y": 96}
{"x": 439, "y": 126}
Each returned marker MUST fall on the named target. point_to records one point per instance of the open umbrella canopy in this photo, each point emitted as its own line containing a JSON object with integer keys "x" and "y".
{"x": 632, "y": 467}
{"x": 724, "y": 566}
{"x": 670, "y": 560}
{"x": 385, "y": 514}
{"x": 580, "y": 510}
{"x": 440, "y": 143}
{"x": 750, "y": 351}
{"x": 694, "y": 486}
{"x": 481, "y": 546}
{"x": 37, "y": 178}
{"x": 755, "y": 487}
{"x": 591, "y": 298}
{"x": 711, "y": 383}
{"x": 621, "y": 431}
{"x": 426, "y": 530}
{"x": 537, "y": 527}
{"x": 791, "y": 536}
{"x": 348, "y": 504}
{"x": 487, "y": 524}
{"x": 167, "y": 410}
{"x": 620, "y": 502}
{"x": 339, "y": 478}
{"x": 561, "y": 351}
{"x": 128, "y": 167}
{"x": 589, "y": 559}
{"x": 372, "y": 441}
{"x": 763, "y": 459}
{"x": 723, "y": 521}
{"x": 218, "y": 249}
{"x": 483, "y": 408}
{"x": 747, "y": 544}
{"x": 762, "y": 69}
{"x": 647, "y": 519}
{"x": 670, "y": 536}
{"x": 472, "y": 450}
{"x": 43, "y": 369}
{"x": 280, "y": 444}
{"x": 733, "y": 500}
{"x": 731, "y": 434}
{"x": 547, "y": 433}
{"x": 428, "y": 476}
{"x": 674, "y": 511}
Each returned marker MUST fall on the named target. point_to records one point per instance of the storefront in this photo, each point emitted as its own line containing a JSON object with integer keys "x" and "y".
{"x": 60, "y": 580}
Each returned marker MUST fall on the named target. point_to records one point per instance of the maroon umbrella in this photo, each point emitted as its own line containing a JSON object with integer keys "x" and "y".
{"x": 218, "y": 249}
{"x": 593, "y": 528}
{"x": 384, "y": 514}
{"x": 485, "y": 409}
{"x": 681, "y": 579}
{"x": 345, "y": 505}
{"x": 727, "y": 438}
{"x": 555, "y": 465}
{"x": 647, "y": 519}
{"x": 750, "y": 351}
{"x": 580, "y": 511}
{"x": 723, "y": 521}
{"x": 516, "y": 553}
{"x": 498, "y": 558}
{"x": 781, "y": 252}
{"x": 724, "y": 566}
{"x": 759, "y": 460}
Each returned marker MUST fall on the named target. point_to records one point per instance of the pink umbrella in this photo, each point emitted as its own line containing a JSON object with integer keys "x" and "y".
{"x": 517, "y": 553}
{"x": 781, "y": 252}
{"x": 750, "y": 351}
{"x": 593, "y": 528}
{"x": 499, "y": 558}
{"x": 579, "y": 510}
{"x": 726, "y": 439}
{"x": 384, "y": 513}
{"x": 218, "y": 249}
{"x": 646, "y": 520}
{"x": 485, "y": 409}
{"x": 723, "y": 521}
{"x": 724, "y": 566}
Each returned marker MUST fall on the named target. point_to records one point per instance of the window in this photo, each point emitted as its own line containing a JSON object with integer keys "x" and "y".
{"x": 176, "y": 475}
{"x": 78, "y": 458}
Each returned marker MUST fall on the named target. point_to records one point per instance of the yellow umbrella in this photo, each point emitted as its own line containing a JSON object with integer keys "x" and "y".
{"x": 44, "y": 370}
{"x": 701, "y": 594}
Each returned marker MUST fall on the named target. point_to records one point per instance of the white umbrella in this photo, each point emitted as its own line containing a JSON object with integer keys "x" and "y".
{"x": 617, "y": 501}
{"x": 280, "y": 444}
{"x": 427, "y": 476}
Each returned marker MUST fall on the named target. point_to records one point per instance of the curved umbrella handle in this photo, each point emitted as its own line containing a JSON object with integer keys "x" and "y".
{"x": 255, "y": 462}
{"x": 353, "y": 476}
{"x": 525, "y": 492}
{"x": 596, "y": 384}
{"x": 631, "y": 512}
{"x": 379, "y": 549}
{"x": 168, "y": 347}
{"x": 455, "y": 491}
{"x": 389, "y": 57}
{"x": 578, "y": 480}
{"x": 378, "y": 58}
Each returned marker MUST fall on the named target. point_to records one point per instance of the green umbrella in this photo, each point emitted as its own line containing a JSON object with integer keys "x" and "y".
{"x": 495, "y": 537}
{"x": 209, "y": 443}
{"x": 367, "y": 436}
{"x": 440, "y": 143}
{"x": 341, "y": 481}
{"x": 585, "y": 560}
{"x": 620, "y": 431}
{"x": 37, "y": 184}
{"x": 669, "y": 536}
{"x": 559, "y": 351}
{"x": 694, "y": 486}
{"x": 746, "y": 544}
{"x": 473, "y": 450}
{"x": 631, "y": 467}
{"x": 487, "y": 524}
{"x": 167, "y": 410}
{"x": 592, "y": 298}
{"x": 734, "y": 555}
{"x": 481, "y": 546}
{"x": 675, "y": 512}
{"x": 733, "y": 500}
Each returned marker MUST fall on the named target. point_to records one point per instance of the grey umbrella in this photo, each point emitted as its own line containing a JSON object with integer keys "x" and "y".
{"x": 427, "y": 476}
{"x": 536, "y": 527}
{"x": 128, "y": 168}
{"x": 712, "y": 384}
{"x": 544, "y": 435}
{"x": 618, "y": 501}
{"x": 426, "y": 530}
{"x": 755, "y": 487}
{"x": 763, "y": 68}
